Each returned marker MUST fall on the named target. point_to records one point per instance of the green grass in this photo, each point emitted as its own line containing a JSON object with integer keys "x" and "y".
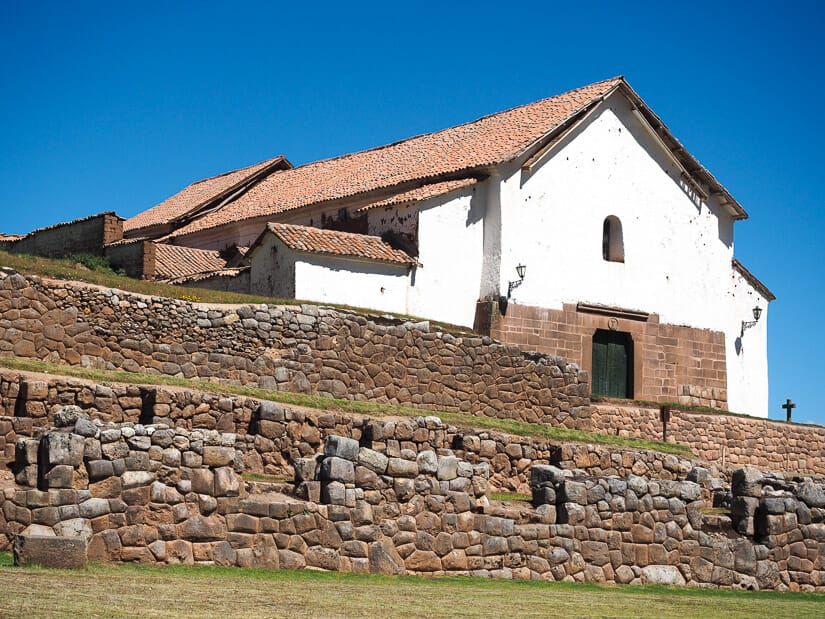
{"x": 101, "y": 275}
{"x": 372, "y": 409}
{"x": 126, "y": 590}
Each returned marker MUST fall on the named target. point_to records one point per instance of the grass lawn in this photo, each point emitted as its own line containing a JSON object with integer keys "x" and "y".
{"x": 135, "y": 591}
{"x": 372, "y": 409}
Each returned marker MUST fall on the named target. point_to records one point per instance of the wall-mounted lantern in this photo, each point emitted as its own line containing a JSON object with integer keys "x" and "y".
{"x": 520, "y": 270}
{"x": 747, "y": 324}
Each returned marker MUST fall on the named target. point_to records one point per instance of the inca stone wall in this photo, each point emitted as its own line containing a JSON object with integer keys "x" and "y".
{"x": 272, "y": 437}
{"x": 297, "y": 348}
{"x": 161, "y": 495}
{"x": 726, "y": 440}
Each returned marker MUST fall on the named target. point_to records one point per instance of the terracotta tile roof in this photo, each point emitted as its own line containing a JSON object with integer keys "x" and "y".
{"x": 6, "y": 238}
{"x": 174, "y": 262}
{"x": 333, "y": 242}
{"x": 199, "y": 194}
{"x": 421, "y": 193}
{"x": 476, "y": 145}
{"x": 753, "y": 281}
{"x": 199, "y": 277}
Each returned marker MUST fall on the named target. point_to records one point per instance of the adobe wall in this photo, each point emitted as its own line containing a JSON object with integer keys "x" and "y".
{"x": 152, "y": 494}
{"x": 87, "y": 235}
{"x": 726, "y": 440}
{"x": 671, "y": 363}
{"x": 136, "y": 258}
{"x": 297, "y": 348}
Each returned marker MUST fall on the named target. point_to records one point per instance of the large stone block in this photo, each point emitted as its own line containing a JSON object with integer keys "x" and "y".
{"x": 63, "y": 448}
{"x": 338, "y": 469}
{"x": 746, "y": 482}
{"x": 373, "y": 460}
{"x": 341, "y": 447}
{"x": 50, "y": 551}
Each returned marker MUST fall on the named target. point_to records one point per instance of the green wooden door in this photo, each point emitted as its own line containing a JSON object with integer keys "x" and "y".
{"x": 611, "y": 364}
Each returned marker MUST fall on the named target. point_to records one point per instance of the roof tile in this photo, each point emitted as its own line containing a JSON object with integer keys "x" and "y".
{"x": 484, "y": 142}
{"x": 195, "y": 195}
{"x": 175, "y": 262}
{"x": 333, "y": 242}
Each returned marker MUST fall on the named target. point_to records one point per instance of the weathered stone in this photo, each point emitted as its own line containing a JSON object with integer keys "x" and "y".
{"x": 215, "y": 456}
{"x": 50, "y": 551}
{"x": 447, "y": 468}
{"x": 746, "y": 482}
{"x": 227, "y": 483}
{"x": 662, "y": 575}
{"x": 337, "y": 469}
{"x": 341, "y": 447}
{"x": 398, "y": 467}
{"x": 427, "y": 462}
{"x": 64, "y": 448}
{"x": 373, "y": 460}
{"x": 813, "y": 495}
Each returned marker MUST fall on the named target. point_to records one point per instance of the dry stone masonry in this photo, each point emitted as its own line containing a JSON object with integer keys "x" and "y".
{"x": 157, "y": 494}
{"x": 298, "y": 348}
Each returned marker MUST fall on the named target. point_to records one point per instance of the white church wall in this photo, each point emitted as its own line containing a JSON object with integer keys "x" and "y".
{"x": 746, "y": 352}
{"x": 677, "y": 250}
{"x": 328, "y": 279}
{"x": 450, "y": 243}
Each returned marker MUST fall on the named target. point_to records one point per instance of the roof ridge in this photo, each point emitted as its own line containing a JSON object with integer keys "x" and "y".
{"x": 464, "y": 124}
{"x": 241, "y": 169}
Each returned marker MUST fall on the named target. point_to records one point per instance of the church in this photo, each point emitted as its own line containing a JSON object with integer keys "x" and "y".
{"x": 577, "y": 225}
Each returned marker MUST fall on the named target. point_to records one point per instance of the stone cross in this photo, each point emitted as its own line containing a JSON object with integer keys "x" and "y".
{"x": 789, "y": 406}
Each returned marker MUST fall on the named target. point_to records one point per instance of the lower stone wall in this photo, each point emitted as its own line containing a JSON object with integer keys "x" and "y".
{"x": 670, "y": 363}
{"x": 153, "y": 494}
{"x": 726, "y": 440}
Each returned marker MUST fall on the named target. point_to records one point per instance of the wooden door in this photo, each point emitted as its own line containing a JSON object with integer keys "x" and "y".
{"x": 612, "y": 364}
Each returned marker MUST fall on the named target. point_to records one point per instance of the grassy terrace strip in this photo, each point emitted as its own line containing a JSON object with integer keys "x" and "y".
{"x": 372, "y": 409}
{"x": 71, "y": 270}
{"x": 127, "y": 590}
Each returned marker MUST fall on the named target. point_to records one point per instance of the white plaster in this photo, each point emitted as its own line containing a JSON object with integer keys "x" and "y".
{"x": 677, "y": 251}
{"x": 746, "y": 352}
{"x": 451, "y": 248}
{"x": 329, "y": 279}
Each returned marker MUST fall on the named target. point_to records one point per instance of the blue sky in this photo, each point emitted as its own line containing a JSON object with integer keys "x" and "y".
{"x": 116, "y": 106}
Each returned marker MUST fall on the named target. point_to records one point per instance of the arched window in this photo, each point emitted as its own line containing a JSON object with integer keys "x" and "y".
{"x": 612, "y": 242}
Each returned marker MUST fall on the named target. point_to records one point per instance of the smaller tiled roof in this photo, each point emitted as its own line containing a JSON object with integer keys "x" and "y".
{"x": 199, "y": 277}
{"x": 202, "y": 193}
{"x": 335, "y": 243}
{"x": 753, "y": 281}
{"x": 5, "y": 238}
{"x": 422, "y": 193}
{"x": 175, "y": 262}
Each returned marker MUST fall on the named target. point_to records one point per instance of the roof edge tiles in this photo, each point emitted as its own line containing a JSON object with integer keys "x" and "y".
{"x": 753, "y": 280}
{"x": 308, "y": 239}
{"x": 419, "y": 194}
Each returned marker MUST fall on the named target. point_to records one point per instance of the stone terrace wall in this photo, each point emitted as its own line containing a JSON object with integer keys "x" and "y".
{"x": 297, "y": 348}
{"x": 272, "y": 437}
{"x": 654, "y": 530}
{"x": 738, "y": 441}
{"x": 158, "y": 495}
